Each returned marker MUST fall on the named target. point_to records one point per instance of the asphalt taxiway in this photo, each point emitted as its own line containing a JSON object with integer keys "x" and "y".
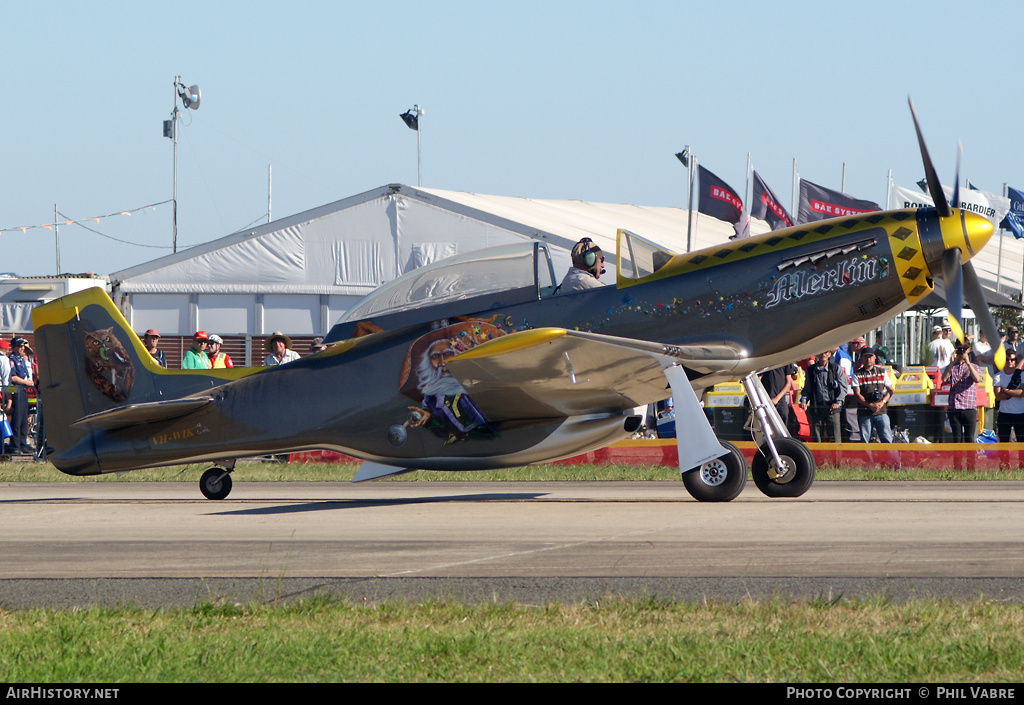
{"x": 162, "y": 544}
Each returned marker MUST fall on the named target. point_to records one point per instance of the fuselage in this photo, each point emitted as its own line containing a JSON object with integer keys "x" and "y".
{"x": 387, "y": 397}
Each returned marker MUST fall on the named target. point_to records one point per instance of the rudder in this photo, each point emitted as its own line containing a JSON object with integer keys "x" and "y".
{"x": 90, "y": 361}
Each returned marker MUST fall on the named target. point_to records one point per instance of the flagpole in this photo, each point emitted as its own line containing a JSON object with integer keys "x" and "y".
{"x": 888, "y": 191}
{"x": 747, "y": 194}
{"x": 689, "y": 213}
{"x": 792, "y": 208}
{"x": 56, "y": 237}
{"x": 999, "y": 262}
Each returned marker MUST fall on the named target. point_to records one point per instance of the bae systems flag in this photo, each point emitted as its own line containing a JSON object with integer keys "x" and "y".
{"x": 818, "y": 203}
{"x": 1014, "y": 220}
{"x": 765, "y": 206}
{"x": 717, "y": 199}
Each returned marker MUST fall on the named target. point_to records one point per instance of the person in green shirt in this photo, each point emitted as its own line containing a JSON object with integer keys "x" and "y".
{"x": 195, "y": 358}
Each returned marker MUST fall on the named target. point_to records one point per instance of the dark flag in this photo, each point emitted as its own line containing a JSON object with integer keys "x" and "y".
{"x": 717, "y": 199}
{"x": 818, "y": 203}
{"x": 1014, "y": 220}
{"x": 765, "y": 206}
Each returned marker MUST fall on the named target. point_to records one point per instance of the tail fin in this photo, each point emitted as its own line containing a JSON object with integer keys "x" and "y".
{"x": 91, "y": 362}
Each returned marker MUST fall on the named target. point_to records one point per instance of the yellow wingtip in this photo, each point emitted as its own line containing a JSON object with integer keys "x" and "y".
{"x": 512, "y": 342}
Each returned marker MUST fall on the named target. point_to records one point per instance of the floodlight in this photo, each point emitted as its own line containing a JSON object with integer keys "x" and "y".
{"x": 190, "y": 97}
{"x": 411, "y": 118}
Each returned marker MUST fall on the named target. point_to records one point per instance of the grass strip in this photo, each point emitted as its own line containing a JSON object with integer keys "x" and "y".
{"x": 599, "y": 641}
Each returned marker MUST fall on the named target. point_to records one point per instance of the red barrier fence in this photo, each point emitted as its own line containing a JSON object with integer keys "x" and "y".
{"x": 933, "y": 456}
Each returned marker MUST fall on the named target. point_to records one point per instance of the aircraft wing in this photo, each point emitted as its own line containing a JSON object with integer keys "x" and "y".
{"x": 147, "y": 412}
{"x": 553, "y": 372}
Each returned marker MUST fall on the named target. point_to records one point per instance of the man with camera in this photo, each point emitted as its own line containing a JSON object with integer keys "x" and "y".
{"x": 963, "y": 377}
{"x": 872, "y": 390}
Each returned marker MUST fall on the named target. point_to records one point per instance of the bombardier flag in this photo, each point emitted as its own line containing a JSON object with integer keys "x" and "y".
{"x": 766, "y": 206}
{"x": 986, "y": 204}
{"x": 818, "y": 203}
{"x": 910, "y": 198}
{"x": 717, "y": 198}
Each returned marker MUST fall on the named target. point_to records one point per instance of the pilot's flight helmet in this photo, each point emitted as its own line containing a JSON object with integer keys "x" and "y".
{"x": 587, "y": 255}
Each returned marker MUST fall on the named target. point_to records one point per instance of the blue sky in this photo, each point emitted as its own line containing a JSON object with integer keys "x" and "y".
{"x": 557, "y": 99}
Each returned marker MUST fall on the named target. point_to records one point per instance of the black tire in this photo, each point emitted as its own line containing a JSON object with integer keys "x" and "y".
{"x": 213, "y": 486}
{"x": 799, "y": 475}
{"x": 718, "y": 480}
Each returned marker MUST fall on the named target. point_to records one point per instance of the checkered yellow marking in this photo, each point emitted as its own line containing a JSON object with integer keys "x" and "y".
{"x": 900, "y": 227}
{"x": 909, "y": 262}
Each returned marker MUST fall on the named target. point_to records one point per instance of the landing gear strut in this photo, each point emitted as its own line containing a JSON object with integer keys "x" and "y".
{"x": 216, "y": 482}
{"x": 782, "y": 466}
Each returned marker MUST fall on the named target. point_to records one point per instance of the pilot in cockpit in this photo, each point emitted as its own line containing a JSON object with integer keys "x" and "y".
{"x": 587, "y": 267}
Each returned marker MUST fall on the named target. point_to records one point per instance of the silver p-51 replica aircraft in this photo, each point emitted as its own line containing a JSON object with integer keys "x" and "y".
{"x": 476, "y": 362}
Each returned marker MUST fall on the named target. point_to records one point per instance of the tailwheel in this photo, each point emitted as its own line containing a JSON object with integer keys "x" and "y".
{"x": 794, "y": 477}
{"x": 718, "y": 480}
{"x": 215, "y": 483}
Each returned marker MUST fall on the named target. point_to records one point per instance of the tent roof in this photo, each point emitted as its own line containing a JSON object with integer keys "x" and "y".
{"x": 272, "y": 257}
{"x": 350, "y": 246}
{"x": 569, "y": 221}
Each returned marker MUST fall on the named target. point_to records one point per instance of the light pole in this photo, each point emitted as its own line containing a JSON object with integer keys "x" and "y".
{"x": 411, "y": 118}
{"x": 190, "y": 99}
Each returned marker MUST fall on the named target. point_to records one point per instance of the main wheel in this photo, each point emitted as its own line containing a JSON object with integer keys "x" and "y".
{"x": 215, "y": 483}
{"x": 718, "y": 480}
{"x": 793, "y": 479}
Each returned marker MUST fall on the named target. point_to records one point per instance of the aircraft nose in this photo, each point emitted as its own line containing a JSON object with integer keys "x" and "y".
{"x": 966, "y": 231}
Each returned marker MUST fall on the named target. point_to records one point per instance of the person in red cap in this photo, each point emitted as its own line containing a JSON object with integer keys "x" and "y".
{"x": 195, "y": 358}
{"x": 150, "y": 340}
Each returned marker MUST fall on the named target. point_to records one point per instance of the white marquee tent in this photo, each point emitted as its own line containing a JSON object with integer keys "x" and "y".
{"x": 301, "y": 273}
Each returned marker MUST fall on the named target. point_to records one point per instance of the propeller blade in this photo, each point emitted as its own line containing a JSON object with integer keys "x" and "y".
{"x": 976, "y": 299}
{"x": 934, "y": 186}
{"x": 952, "y": 279}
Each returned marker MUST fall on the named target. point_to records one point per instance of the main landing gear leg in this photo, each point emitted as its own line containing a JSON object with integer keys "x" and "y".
{"x": 712, "y": 471}
{"x": 216, "y": 482}
{"x": 782, "y": 466}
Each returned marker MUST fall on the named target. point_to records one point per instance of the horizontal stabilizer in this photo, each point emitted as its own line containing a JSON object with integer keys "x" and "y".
{"x": 134, "y": 414}
{"x": 553, "y": 372}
